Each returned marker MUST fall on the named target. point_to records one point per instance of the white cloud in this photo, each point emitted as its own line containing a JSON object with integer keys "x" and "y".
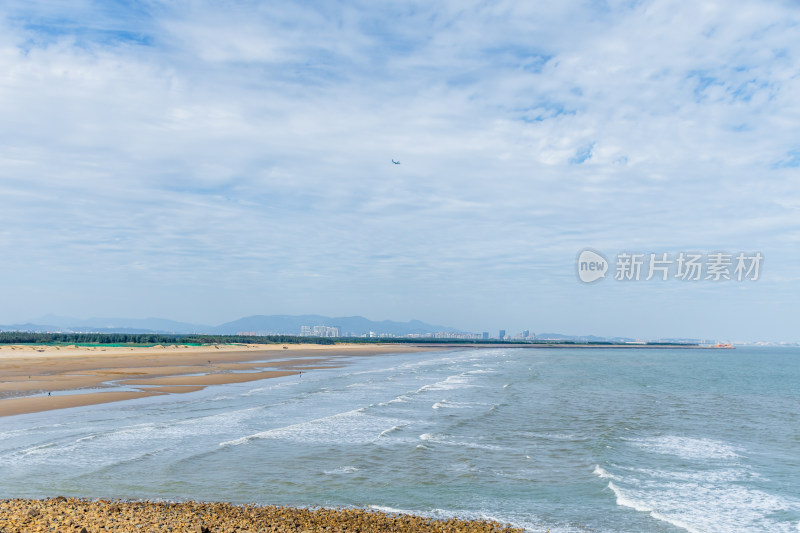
{"x": 187, "y": 146}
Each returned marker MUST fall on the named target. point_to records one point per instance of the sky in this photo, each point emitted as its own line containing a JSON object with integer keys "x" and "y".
{"x": 203, "y": 161}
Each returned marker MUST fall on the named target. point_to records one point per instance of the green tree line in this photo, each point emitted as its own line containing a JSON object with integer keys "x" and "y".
{"x": 22, "y": 337}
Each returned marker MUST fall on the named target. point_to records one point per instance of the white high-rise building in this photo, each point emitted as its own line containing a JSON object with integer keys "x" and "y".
{"x": 320, "y": 331}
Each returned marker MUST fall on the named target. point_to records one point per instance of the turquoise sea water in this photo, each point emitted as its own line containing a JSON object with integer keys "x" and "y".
{"x": 566, "y": 440}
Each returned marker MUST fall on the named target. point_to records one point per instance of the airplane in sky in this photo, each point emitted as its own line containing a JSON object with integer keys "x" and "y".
{"x": 395, "y": 162}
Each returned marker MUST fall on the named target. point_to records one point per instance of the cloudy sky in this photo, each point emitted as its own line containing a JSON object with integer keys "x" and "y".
{"x": 203, "y": 161}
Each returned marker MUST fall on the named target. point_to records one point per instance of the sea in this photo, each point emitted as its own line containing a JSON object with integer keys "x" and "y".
{"x": 559, "y": 439}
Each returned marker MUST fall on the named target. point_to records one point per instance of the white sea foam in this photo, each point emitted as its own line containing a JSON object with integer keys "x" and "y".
{"x": 399, "y": 399}
{"x": 442, "y": 439}
{"x": 36, "y": 450}
{"x": 93, "y": 450}
{"x": 391, "y": 430}
{"x": 703, "y": 506}
{"x": 445, "y": 404}
{"x": 642, "y": 507}
{"x": 13, "y": 433}
{"x": 341, "y": 470}
{"x": 528, "y": 523}
{"x": 601, "y": 472}
{"x": 349, "y": 427}
{"x": 625, "y": 501}
{"x": 391, "y": 510}
{"x": 687, "y": 447}
{"x": 445, "y": 359}
{"x": 569, "y": 437}
{"x": 458, "y": 381}
{"x": 716, "y": 476}
{"x": 677, "y": 522}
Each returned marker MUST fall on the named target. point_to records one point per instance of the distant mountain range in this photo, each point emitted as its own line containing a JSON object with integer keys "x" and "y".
{"x": 257, "y": 324}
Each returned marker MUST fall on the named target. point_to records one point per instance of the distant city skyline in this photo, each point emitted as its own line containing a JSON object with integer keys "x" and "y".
{"x": 263, "y": 325}
{"x": 207, "y": 163}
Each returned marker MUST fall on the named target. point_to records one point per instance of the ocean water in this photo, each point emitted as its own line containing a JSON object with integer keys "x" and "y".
{"x": 565, "y": 440}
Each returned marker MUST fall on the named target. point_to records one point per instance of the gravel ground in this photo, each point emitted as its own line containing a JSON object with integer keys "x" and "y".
{"x": 72, "y": 515}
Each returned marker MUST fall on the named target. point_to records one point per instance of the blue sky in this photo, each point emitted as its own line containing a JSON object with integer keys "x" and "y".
{"x": 203, "y": 161}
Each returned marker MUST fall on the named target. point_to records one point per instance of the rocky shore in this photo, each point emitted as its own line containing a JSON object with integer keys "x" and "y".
{"x": 94, "y": 516}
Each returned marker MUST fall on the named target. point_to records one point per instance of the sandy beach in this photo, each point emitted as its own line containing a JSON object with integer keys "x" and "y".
{"x": 37, "y": 378}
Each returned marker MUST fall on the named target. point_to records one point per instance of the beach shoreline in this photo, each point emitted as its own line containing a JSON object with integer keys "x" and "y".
{"x": 38, "y": 378}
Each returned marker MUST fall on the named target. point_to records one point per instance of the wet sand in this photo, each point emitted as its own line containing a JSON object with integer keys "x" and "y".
{"x": 40, "y": 378}
{"x": 86, "y": 516}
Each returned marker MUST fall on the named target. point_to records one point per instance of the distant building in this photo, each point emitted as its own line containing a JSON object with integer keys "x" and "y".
{"x": 526, "y": 333}
{"x": 502, "y": 334}
{"x": 485, "y": 335}
{"x": 320, "y": 331}
{"x": 454, "y": 335}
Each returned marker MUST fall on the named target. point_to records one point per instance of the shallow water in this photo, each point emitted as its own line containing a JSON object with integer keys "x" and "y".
{"x": 609, "y": 440}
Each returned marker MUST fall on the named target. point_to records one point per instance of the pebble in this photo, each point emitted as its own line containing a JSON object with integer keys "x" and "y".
{"x": 76, "y": 515}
